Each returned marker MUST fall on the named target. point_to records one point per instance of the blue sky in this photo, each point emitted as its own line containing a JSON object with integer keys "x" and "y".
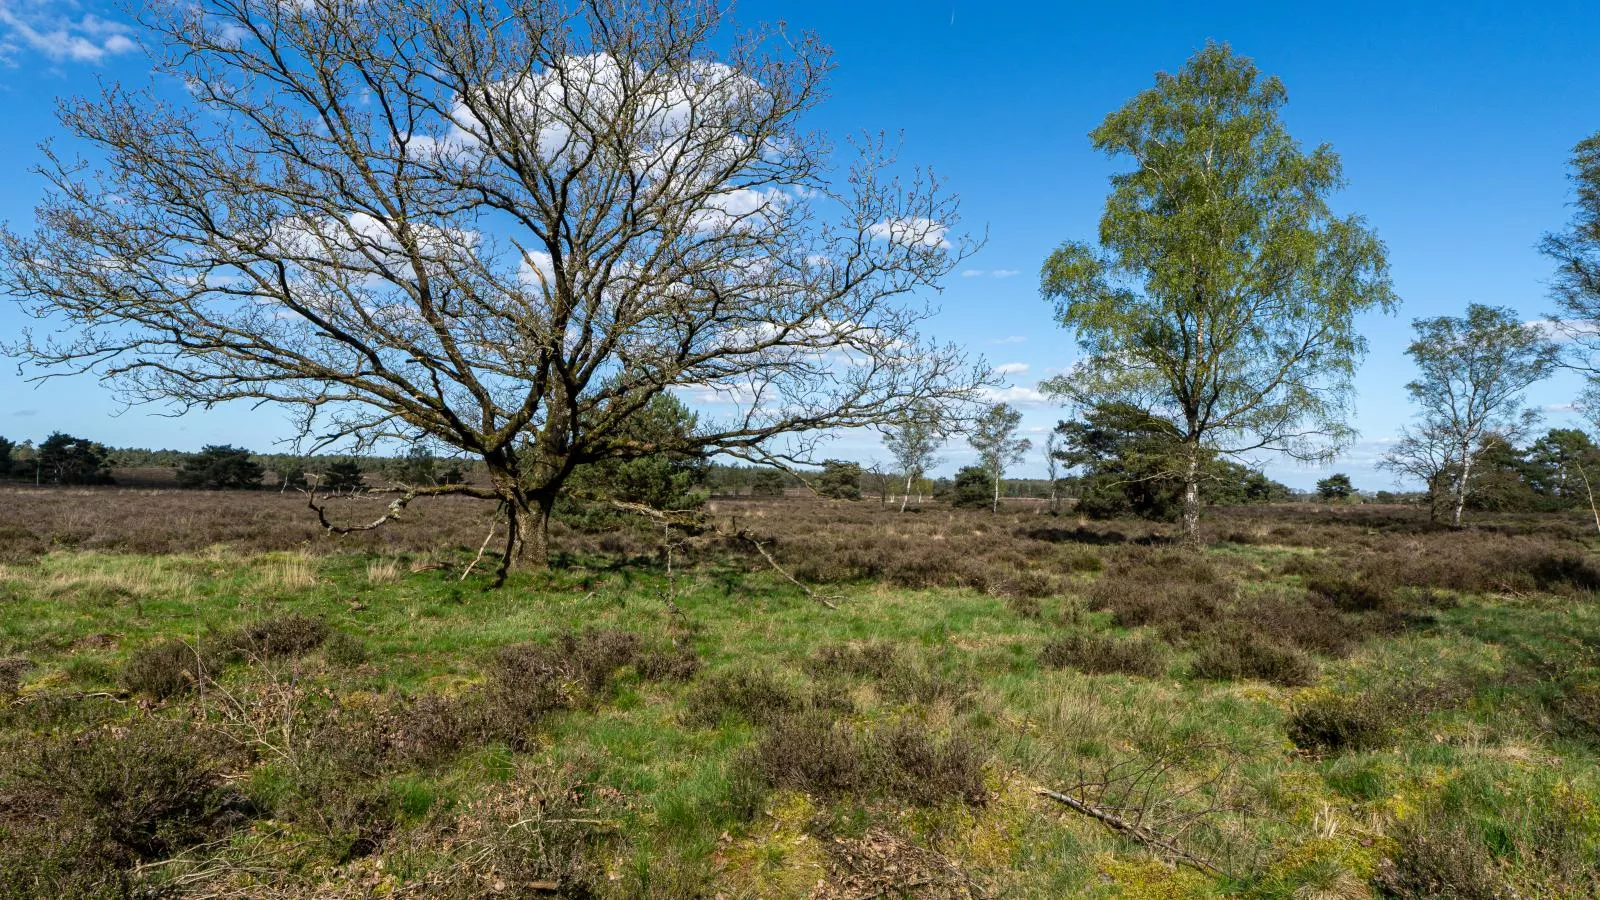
{"x": 1454, "y": 121}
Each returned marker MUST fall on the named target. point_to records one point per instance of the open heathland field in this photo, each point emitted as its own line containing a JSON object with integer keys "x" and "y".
{"x": 201, "y": 695}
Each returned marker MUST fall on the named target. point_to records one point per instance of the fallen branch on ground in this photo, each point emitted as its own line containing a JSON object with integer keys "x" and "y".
{"x": 1138, "y": 832}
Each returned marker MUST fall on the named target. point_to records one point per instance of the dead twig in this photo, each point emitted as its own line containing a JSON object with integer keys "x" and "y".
{"x": 1139, "y": 833}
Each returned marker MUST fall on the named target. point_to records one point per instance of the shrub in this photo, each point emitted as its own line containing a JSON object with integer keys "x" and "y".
{"x": 79, "y": 811}
{"x": 903, "y": 761}
{"x": 528, "y": 681}
{"x": 1349, "y": 594}
{"x": 907, "y": 763}
{"x": 1251, "y": 656}
{"x": 1436, "y": 858}
{"x": 895, "y": 675}
{"x": 1330, "y": 722}
{"x": 754, "y": 695}
{"x": 291, "y": 635}
{"x": 1102, "y": 654}
{"x": 164, "y": 669}
{"x": 11, "y": 671}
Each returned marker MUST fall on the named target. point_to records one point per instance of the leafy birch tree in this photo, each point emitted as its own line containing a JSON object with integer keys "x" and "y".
{"x": 503, "y": 226}
{"x": 1223, "y": 293}
{"x": 914, "y": 437}
{"x": 1576, "y": 252}
{"x": 994, "y": 436}
{"x": 1472, "y": 372}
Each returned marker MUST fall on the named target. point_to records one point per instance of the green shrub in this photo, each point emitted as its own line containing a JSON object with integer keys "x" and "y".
{"x": 1329, "y": 722}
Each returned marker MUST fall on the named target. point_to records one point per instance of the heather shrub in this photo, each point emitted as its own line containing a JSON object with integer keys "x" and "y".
{"x": 80, "y": 811}
{"x": 1101, "y": 654}
{"x": 1253, "y": 656}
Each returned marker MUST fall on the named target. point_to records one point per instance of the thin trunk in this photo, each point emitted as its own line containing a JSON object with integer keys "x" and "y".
{"x": 1461, "y": 487}
{"x": 996, "y": 507}
{"x": 907, "y": 495}
{"x": 1589, "y": 492}
{"x": 1191, "y": 500}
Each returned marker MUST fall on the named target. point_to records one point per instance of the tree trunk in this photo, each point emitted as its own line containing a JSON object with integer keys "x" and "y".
{"x": 996, "y": 506}
{"x": 907, "y": 495}
{"x": 1461, "y": 488}
{"x": 527, "y": 534}
{"x": 1191, "y": 500}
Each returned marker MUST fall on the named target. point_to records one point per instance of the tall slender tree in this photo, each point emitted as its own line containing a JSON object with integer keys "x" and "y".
{"x": 1576, "y": 252}
{"x": 1223, "y": 294}
{"x": 1472, "y": 372}
{"x": 504, "y": 226}
{"x": 994, "y": 436}
{"x": 1052, "y": 467}
{"x": 914, "y": 437}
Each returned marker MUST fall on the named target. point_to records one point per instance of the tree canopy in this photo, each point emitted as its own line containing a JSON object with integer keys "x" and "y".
{"x": 506, "y": 227}
{"x": 1472, "y": 371}
{"x": 1221, "y": 298}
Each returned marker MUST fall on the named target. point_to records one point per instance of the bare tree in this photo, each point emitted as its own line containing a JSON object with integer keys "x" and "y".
{"x": 503, "y": 225}
{"x": 1473, "y": 371}
{"x": 1423, "y": 453}
{"x": 994, "y": 436}
{"x": 914, "y": 437}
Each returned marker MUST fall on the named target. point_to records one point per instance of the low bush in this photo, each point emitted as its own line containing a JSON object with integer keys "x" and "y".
{"x": 1253, "y": 656}
{"x": 756, "y": 696}
{"x": 1102, "y": 654}
{"x": 12, "y": 668}
{"x": 1329, "y": 722}
{"x": 1436, "y": 857}
{"x": 79, "y": 811}
{"x": 285, "y": 636}
{"x": 164, "y": 669}
{"x": 815, "y": 754}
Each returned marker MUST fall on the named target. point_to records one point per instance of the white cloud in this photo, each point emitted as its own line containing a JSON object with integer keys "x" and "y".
{"x": 1018, "y": 396}
{"x": 1010, "y": 339}
{"x": 973, "y": 273}
{"x": 913, "y": 231}
{"x": 1015, "y": 368}
{"x": 1004, "y": 273}
{"x": 990, "y": 273}
{"x": 38, "y": 26}
{"x": 1564, "y": 329}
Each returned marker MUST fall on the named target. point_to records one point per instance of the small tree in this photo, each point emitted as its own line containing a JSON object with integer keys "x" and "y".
{"x": 840, "y": 480}
{"x": 221, "y": 467}
{"x": 1335, "y": 487}
{"x": 416, "y": 467}
{"x": 1052, "y": 467}
{"x": 914, "y": 438}
{"x": 64, "y": 459}
{"x": 6, "y": 463}
{"x": 452, "y": 474}
{"x": 994, "y": 436}
{"x": 1473, "y": 371}
{"x": 972, "y": 488}
{"x": 768, "y": 483}
{"x": 291, "y": 474}
{"x": 1223, "y": 294}
{"x": 343, "y": 477}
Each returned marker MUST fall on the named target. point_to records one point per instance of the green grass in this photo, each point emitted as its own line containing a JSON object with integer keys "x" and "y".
{"x": 662, "y": 798}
